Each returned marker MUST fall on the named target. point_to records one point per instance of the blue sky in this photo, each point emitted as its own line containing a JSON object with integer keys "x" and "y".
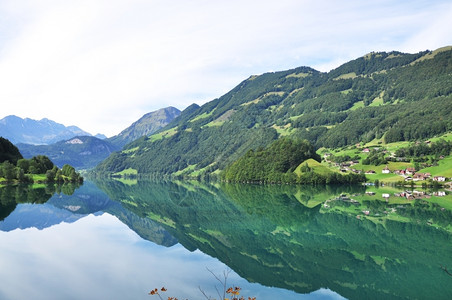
{"x": 102, "y": 64}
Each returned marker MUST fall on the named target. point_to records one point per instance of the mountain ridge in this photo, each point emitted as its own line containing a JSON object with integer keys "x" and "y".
{"x": 36, "y": 132}
{"x": 382, "y": 95}
{"x": 84, "y": 151}
{"x": 146, "y": 125}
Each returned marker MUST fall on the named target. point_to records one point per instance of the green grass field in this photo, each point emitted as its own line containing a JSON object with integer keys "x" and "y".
{"x": 316, "y": 167}
{"x": 444, "y": 168}
{"x": 357, "y": 105}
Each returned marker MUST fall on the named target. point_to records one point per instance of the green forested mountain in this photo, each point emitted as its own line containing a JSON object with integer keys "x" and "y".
{"x": 394, "y": 96}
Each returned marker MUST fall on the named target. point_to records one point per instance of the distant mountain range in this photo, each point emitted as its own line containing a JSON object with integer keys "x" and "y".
{"x": 42, "y": 132}
{"x": 85, "y": 151}
{"x": 81, "y": 152}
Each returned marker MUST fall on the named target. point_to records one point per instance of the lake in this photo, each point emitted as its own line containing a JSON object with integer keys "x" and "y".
{"x": 120, "y": 240}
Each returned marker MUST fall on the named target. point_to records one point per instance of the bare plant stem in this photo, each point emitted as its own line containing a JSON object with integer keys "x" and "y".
{"x": 445, "y": 270}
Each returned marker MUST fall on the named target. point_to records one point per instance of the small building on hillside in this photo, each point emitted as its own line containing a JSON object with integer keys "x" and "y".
{"x": 386, "y": 170}
{"x": 439, "y": 178}
{"x": 419, "y": 176}
{"x": 410, "y": 171}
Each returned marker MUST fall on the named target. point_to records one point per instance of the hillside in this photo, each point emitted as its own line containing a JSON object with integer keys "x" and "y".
{"x": 273, "y": 164}
{"x": 9, "y": 152}
{"x": 82, "y": 152}
{"x": 146, "y": 125}
{"x": 389, "y": 96}
{"x": 42, "y": 132}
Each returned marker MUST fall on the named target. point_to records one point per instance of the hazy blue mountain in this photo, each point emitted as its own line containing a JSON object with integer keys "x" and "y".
{"x": 81, "y": 152}
{"x": 41, "y": 132}
{"x": 146, "y": 125}
{"x": 40, "y": 216}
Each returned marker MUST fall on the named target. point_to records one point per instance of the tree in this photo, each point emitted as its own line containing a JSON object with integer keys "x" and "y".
{"x": 59, "y": 176}
{"x": 20, "y": 175}
{"x": 8, "y": 171}
{"x": 67, "y": 170}
{"x": 23, "y": 164}
{"x": 43, "y": 163}
{"x": 50, "y": 175}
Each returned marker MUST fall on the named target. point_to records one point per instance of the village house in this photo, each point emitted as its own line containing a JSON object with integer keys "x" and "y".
{"x": 326, "y": 155}
{"x": 399, "y": 172}
{"x": 410, "y": 171}
{"x": 440, "y": 193}
{"x": 384, "y": 195}
{"x": 370, "y": 172}
{"x": 439, "y": 178}
{"x": 419, "y": 176}
{"x": 366, "y": 150}
{"x": 386, "y": 170}
{"x": 418, "y": 194}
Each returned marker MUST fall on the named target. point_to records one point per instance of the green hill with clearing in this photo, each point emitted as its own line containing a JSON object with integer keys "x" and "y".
{"x": 315, "y": 166}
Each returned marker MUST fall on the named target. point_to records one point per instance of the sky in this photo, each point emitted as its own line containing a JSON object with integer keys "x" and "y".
{"x": 102, "y": 64}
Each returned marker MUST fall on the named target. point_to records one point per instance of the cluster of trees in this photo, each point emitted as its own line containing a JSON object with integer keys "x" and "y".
{"x": 273, "y": 164}
{"x": 375, "y": 158}
{"x": 24, "y": 170}
{"x": 15, "y": 168}
{"x": 441, "y": 147}
{"x": 344, "y": 158}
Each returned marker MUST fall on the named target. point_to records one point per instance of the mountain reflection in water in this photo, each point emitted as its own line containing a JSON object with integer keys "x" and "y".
{"x": 287, "y": 236}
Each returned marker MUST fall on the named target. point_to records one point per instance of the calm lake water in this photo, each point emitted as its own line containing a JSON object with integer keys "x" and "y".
{"x": 109, "y": 240}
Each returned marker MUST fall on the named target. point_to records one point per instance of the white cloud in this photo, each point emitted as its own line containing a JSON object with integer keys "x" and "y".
{"x": 100, "y": 65}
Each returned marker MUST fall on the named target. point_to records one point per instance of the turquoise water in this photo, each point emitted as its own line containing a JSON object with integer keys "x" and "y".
{"x": 108, "y": 240}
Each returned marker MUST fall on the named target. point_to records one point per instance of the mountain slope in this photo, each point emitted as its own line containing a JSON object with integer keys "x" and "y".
{"x": 9, "y": 152}
{"x": 146, "y": 125}
{"x": 393, "y": 95}
{"x": 29, "y": 131}
{"x": 82, "y": 152}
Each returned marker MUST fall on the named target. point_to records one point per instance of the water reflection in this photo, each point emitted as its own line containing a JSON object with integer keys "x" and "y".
{"x": 283, "y": 236}
{"x": 286, "y": 237}
{"x": 11, "y": 195}
{"x": 99, "y": 257}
